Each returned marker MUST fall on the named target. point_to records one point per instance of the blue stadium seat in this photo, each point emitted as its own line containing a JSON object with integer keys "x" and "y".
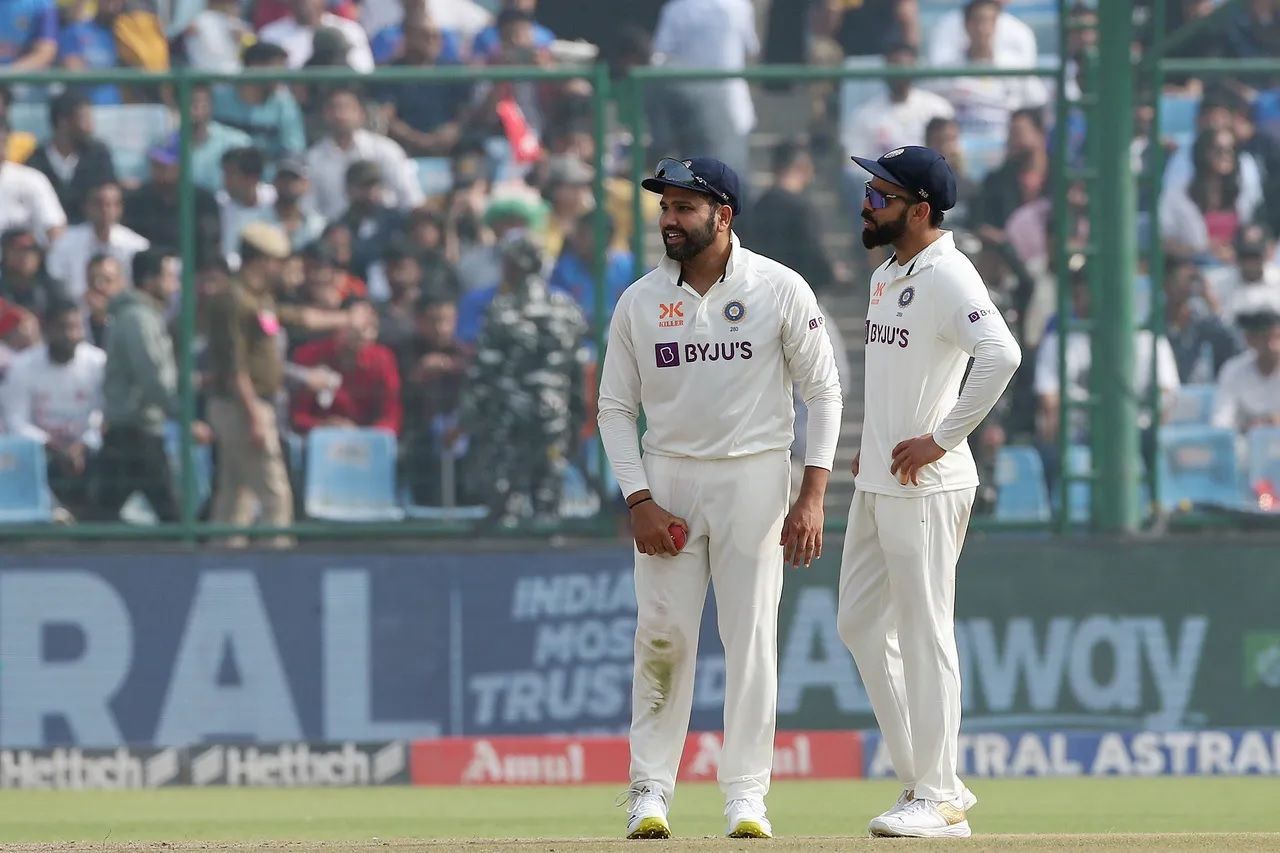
{"x": 1198, "y": 465}
{"x": 1022, "y": 494}
{"x": 24, "y": 484}
{"x": 450, "y": 511}
{"x": 434, "y": 175}
{"x": 351, "y": 475}
{"x": 1178, "y": 117}
{"x": 1079, "y": 492}
{"x": 1192, "y": 404}
{"x": 1264, "y": 456}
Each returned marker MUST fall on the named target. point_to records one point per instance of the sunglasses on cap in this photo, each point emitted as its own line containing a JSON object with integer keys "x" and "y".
{"x": 879, "y": 200}
{"x": 677, "y": 172}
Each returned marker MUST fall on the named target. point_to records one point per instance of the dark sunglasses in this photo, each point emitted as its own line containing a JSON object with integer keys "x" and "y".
{"x": 677, "y": 172}
{"x": 879, "y": 200}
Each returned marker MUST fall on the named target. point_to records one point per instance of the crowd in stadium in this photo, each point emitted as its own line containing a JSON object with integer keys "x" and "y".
{"x": 426, "y": 253}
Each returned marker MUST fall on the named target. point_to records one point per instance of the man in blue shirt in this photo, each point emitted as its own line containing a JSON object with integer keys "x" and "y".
{"x": 91, "y": 46}
{"x": 267, "y": 112}
{"x": 488, "y": 43}
{"x": 425, "y": 118}
{"x": 574, "y": 272}
{"x": 28, "y": 34}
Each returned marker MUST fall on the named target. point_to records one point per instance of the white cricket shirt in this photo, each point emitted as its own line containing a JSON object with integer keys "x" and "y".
{"x": 715, "y": 374}
{"x": 925, "y": 319}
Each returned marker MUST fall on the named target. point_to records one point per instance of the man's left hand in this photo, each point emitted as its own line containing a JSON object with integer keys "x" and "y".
{"x": 912, "y": 455}
{"x": 802, "y": 533}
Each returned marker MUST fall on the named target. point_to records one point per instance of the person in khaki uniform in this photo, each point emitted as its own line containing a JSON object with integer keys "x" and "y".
{"x": 248, "y": 375}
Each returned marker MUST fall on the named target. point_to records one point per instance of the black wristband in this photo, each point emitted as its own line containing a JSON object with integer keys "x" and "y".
{"x": 637, "y": 503}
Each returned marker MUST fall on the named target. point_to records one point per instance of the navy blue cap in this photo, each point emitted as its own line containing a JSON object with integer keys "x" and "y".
{"x": 705, "y": 175}
{"x": 920, "y": 170}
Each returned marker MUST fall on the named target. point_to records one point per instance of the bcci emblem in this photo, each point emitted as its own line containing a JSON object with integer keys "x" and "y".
{"x": 735, "y": 311}
{"x": 905, "y": 297}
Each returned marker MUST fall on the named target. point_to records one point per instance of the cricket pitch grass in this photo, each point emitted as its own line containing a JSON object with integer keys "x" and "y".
{"x": 1218, "y": 814}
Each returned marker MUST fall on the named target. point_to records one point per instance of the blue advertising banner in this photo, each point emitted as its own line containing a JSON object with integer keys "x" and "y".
{"x": 172, "y": 650}
{"x": 169, "y": 650}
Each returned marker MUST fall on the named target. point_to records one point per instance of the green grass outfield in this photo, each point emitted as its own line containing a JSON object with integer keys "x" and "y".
{"x": 380, "y": 818}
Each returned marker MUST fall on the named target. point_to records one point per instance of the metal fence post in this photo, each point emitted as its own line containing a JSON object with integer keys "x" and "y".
{"x": 1115, "y": 421}
{"x": 600, "y": 316}
{"x": 187, "y": 249}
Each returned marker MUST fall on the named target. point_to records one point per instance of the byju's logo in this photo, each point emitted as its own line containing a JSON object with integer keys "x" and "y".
{"x": 668, "y": 355}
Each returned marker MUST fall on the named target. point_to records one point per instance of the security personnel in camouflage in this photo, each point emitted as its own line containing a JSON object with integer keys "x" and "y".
{"x": 524, "y": 402}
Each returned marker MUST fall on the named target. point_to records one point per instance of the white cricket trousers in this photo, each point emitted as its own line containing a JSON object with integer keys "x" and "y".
{"x": 735, "y": 509}
{"x": 897, "y": 616}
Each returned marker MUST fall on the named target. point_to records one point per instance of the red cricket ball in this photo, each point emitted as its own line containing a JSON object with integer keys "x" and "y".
{"x": 678, "y": 535}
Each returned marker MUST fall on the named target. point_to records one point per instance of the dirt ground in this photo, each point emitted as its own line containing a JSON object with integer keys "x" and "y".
{"x": 1132, "y": 843}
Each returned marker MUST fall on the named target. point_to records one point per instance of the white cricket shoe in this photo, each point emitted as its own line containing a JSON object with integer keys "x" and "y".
{"x": 647, "y": 812}
{"x": 968, "y": 799}
{"x": 746, "y": 819}
{"x": 923, "y": 819}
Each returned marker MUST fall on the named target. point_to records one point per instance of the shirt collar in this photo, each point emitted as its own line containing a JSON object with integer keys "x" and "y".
{"x": 925, "y": 258}
{"x": 736, "y": 261}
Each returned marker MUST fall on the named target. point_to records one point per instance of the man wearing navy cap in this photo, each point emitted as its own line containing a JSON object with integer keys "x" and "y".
{"x": 929, "y": 314}
{"x": 711, "y": 344}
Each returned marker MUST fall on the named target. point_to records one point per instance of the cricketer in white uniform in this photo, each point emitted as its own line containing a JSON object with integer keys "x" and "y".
{"x": 929, "y": 313}
{"x": 709, "y": 344}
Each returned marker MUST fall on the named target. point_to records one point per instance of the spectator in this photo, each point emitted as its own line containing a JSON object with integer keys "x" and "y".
{"x": 403, "y": 274}
{"x": 269, "y": 11}
{"x": 371, "y": 223}
{"x": 268, "y": 112}
{"x": 1201, "y": 342}
{"x": 480, "y": 255}
{"x": 21, "y": 144}
{"x": 326, "y": 287}
{"x": 898, "y": 115}
{"x": 141, "y": 390}
{"x": 1079, "y": 363}
{"x": 1021, "y": 178}
{"x": 248, "y": 375}
{"x": 19, "y": 330}
{"x": 568, "y": 192}
{"x": 302, "y": 224}
{"x": 105, "y": 278}
{"x": 1219, "y": 109}
{"x": 426, "y": 119}
{"x": 1204, "y": 218}
{"x": 523, "y": 404}
{"x": 488, "y": 42}
{"x": 784, "y": 222}
{"x": 28, "y": 35}
{"x": 27, "y": 199}
{"x": 863, "y": 29}
{"x": 984, "y": 104}
{"x": 1253, "y": 284}
{"x": 369, "y": 395}
{"x": 435, "y": 366}
{"x": 244, "y": 199}
{"x": 1013, "y": 43}
{"x": 1254, "y": 33}
{"x": 943, "y": 136}
{"x": 425, "y": 231}
{"x": 23, "y": 279}
{"x": 390, "y": 43}
{"x": 100, "y": 233}
{"x": 90, "y": 45}
{"x": 296, "y": 33}
{"x": 73, "y": 160}
{"x": 710, "y": 118}
{"x": 210, "y": 140}
{"x": 152, "y": 209}
{"x": 1264, "y": 148}
{"x": 53, "y": 393}
{"x": 575, "y": 271}
{"x": 347, "y": 142}
{"x": 1248, "y": 393}
{"x": 216, "y": 36}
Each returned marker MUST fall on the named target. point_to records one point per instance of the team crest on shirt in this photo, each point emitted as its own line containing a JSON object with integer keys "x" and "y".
{"x": 735, "y": 311}
{"x": 905, "y": 297}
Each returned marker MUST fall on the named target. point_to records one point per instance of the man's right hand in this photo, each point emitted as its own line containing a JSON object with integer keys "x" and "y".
{"x": 649, "y": 523}
{"x": 857, "y": 457}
